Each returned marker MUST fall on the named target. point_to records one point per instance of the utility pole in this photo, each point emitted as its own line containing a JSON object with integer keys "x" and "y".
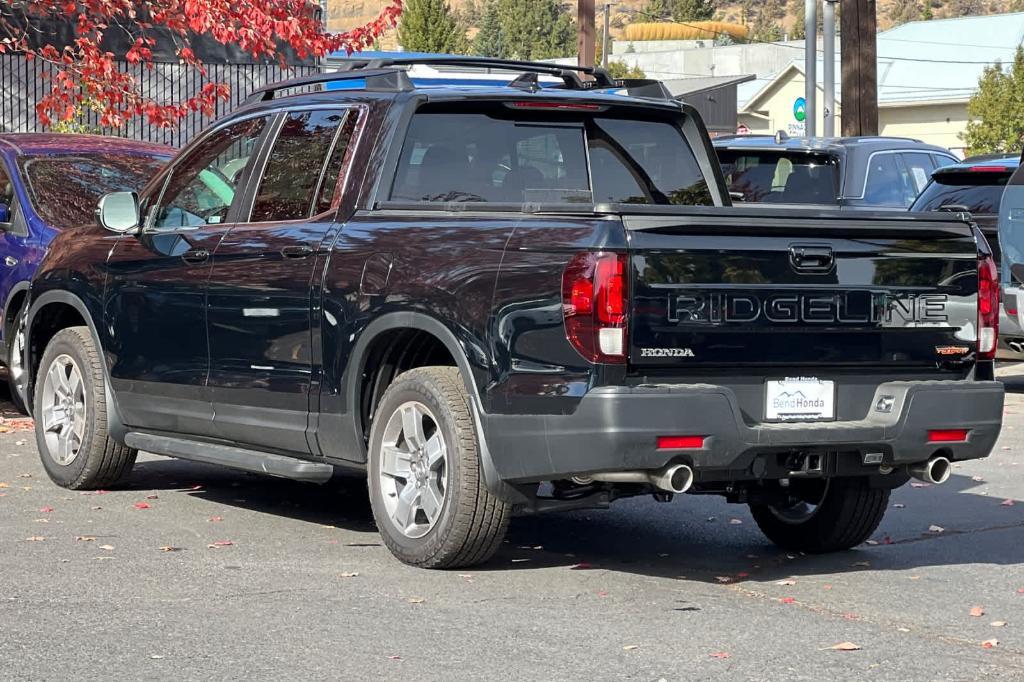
{"x": 605, "y": 40}
{"x": 811, "y": 68}
{"x": 828, "y": 44}
{"x": 860, "y": 70}
{"x": 586, "y": 46}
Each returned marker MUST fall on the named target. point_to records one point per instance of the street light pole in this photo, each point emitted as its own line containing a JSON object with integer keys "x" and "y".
{"x": 828, "y": 44}
{"x": 605, "y": 41}
{"x": 811, "y": 67}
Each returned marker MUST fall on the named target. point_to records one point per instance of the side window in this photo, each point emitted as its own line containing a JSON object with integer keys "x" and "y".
{"x": 886, "y": 183}
{"x": 6, "y": 199}
{"x": 920, "y": 167}
{"x": 941, "y": 160}
{"x": 301, "y": 175}
{"x": 203, "y": 185}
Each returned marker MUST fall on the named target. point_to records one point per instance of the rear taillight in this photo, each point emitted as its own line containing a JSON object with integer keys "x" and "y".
{"x": 988, "y": 307}
{"x": 594, "y": 300}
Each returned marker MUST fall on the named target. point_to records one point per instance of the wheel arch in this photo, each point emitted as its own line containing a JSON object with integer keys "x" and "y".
{"x": 459, "y": 351}
{"x": 15, "y": 300}
{"x": 48, "y": 313}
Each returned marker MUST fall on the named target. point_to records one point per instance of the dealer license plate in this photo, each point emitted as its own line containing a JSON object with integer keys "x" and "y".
{"x": 800, "y": 398}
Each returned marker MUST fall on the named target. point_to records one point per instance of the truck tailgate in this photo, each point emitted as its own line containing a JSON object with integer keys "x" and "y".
{"x": 725, "y": 287}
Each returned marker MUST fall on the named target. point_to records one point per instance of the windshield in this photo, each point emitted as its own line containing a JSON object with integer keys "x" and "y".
{"x": 778, "y": 177}
{"x": 64, "y": 190}
{"x": 979, "y": 193}
{"x": 505, "y": 156}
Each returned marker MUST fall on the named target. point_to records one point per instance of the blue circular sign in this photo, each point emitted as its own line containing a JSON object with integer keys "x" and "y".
{"x": 800, "y": 109}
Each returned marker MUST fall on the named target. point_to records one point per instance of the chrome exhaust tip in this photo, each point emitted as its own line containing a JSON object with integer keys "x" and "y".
{"x": 935, "y": 471}
{"x": 676, "y": 479}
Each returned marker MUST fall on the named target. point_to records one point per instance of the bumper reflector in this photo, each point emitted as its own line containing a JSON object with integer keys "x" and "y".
{"x": 680, "y": 442}
{"x": 948, "y": 436}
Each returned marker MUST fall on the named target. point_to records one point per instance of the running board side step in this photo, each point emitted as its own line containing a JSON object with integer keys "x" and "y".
{"x": 235, "y": 458}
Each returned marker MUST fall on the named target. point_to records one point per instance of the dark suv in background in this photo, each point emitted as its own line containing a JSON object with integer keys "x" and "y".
{"x": 976, "y": 185}
{"x": 845, "y": 172}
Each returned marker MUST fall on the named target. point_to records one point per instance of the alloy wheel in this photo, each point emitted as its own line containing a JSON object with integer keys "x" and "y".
{"x": 413, "y": 469}
{"x": 63, "y": 410}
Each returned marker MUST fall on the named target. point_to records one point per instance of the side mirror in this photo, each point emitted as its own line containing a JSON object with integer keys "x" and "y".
{"x": 5, "y": 213}
{"x": 119, "y": 212}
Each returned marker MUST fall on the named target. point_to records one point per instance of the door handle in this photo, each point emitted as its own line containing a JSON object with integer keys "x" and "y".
{"x": 297, "y": 251}
{"x": 196, "y": 256}
{"x": 10, "y": 261}
{"x": 811, "y": 258}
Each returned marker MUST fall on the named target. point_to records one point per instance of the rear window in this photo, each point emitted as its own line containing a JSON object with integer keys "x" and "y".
{"x": 65, "y": 190}
{"x": 773, "y": 177}
{"x": 978, "y": 192}
{"x": 503, "y": 157}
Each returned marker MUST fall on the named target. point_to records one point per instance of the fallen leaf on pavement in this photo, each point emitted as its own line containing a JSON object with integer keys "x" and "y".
{"x": 787, "y": 600}
{"x": 46, "y": 510}
{"x": 141, "y": 505}
{"x": 4, "y": 485}
{"x": 155, "y": 657}
{"x": 977, "y": 479}
{"x": 630, "y": 647}
{"x": 887, "y": 540}
{"x": 581, "y": 566}
{"x": 786, "y": 582}
{"x": 106, "y": 547}
{"x": 899, "y": 505}
{"x": 903, "y": 629}
{"x": 935, "y": 529}
{"x": 152, "y": 497}
{"x": 602, "y": 593}
{"x": 736, "y": 522}
{"x": 85, "y": 538}
{"x": 35, "y": 538}
{"x": 917, "y": 484}
{"x": 998, "y": 623}
{"x": 977, "y": 612}
{"x": 215, "y": 519}
{"x": 990, "y": 643}
{"x": 415, "y": 600}
{"x": 350, "y": 574}
{"x": 519, "y": 561}
{"x": 845, "y": 646}
{"x": 720, "y": 654}
{"x": 1007, "y": 503}
{"x": 723, "y": 578}
{"x": 220, "y": 543}
{"x": 394, "y": 658}
{"x": 168, "y": 548}
{"x": 871, "y": 542}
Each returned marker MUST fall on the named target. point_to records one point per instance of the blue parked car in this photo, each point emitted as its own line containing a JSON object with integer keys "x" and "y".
{"x": 49, "y": 182}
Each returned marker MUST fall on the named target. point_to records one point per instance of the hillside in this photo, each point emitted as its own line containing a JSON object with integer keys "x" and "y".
{"x": 342, "y": 14}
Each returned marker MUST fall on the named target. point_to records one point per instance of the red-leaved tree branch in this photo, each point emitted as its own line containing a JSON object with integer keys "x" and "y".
{"x": 85, "y": 73}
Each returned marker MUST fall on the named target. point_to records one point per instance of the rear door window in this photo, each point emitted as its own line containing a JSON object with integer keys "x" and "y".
{"x": 500, "y": 157}
{"x": 888, "y": 183}
{"x": 920, "y": 166}
{"x": 295, "y": 185}
{"x": 774, "y": 177}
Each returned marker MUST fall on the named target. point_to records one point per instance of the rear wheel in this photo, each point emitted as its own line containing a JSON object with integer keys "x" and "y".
{"x": 426, "y": 487}
{"x": 70, "y": 411}
{"x": 15, "y": 362}
{"x": 823, "y": 515}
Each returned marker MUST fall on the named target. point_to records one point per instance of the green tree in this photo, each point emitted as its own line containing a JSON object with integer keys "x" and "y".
{"x": 488, "y": 41}
{"x": 693, "y": 10}
{"x": 430, "y": 26}
{"x": 623, "y": 70}
{"x": 996, "y": 110}
{"x": 657, "y": 10}
{"x": 535, "y": 29}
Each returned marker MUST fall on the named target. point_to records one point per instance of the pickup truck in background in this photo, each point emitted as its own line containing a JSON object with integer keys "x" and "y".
{"x": 851, "y": 173}
{"x": 509, "y": 298}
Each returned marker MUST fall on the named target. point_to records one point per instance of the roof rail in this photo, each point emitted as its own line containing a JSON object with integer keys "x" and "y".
{"x": 568, "y": 74}
{"x": 377, "y": 80}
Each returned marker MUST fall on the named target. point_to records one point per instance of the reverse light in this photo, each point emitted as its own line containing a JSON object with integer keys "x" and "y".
{"x": 988, "y": 307}
{"x": 948, "y": 436}
{"x": 680, "y": 442}
{"x": 594, "y": 306}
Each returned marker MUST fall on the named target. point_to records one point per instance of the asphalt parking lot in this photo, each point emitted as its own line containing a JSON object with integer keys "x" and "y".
{"x": 194, "y": 572}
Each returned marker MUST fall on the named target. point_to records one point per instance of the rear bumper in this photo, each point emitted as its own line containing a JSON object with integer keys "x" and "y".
{"x": 616, "y": 429}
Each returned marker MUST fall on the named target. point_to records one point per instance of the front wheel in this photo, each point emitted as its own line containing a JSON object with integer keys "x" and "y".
{"x": 70, "y": 411}
{"x": 823, "y": 515}
{"x": 427, "y": 490}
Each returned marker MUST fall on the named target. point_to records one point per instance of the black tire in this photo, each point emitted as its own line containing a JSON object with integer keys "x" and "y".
{"x": 100, "y": 461}
{"x": 472, "y": 522}
{"x": 847, "y": 514}
{"x": 15, "y": 373}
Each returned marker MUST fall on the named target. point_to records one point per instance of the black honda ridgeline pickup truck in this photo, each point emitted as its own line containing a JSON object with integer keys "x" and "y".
{"x": 519, "y": 298}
